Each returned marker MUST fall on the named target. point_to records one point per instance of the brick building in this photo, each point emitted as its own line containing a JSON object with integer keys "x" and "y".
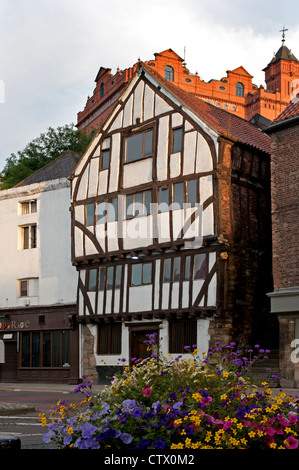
{"x": 236, "y": 93}
{"x": 284, "y": 133}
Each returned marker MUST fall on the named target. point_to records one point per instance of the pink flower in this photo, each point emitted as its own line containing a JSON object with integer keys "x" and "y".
{"x": 270, "y": 431}
{"x": 146, "y": 392}
{"x": 206, "y": 401}
{"x": 293, "y": 418}
{"x": 283, "y": 421}
{"x": 291, "y": 443}
{"x": 227, "y": 425}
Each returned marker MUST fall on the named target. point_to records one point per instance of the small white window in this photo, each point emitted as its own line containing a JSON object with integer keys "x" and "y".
{"x": 27, "y": 235}
{"x": 28, "y": 207}
{"x": 28, "y": 287}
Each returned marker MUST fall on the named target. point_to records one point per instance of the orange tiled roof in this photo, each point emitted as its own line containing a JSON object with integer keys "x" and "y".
{"x": 225, "y": 123}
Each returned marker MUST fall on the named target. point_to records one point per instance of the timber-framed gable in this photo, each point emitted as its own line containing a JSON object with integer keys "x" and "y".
{"x": 153, "y": 221}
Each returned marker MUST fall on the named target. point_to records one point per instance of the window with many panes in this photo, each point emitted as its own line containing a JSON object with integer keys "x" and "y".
{"x": 141, "y": 274}
{"x": 45, "y": 348}
{"x": 239, "y": 89}
{"x": 195, "y": 267}
{"x": 139, "y": 146}
{"x": 171, "y": 269}
{"x": 106, "y": 277}
{"x": 107, "y": 211}
{"x": 169, "y": 73}
{"x": 138, "y": 204}
{"x": 185, "y": 192}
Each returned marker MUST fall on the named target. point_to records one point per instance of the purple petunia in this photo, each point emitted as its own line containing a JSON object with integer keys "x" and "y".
{"x": 126, "y": 438}
{"x": 159, "y": 444}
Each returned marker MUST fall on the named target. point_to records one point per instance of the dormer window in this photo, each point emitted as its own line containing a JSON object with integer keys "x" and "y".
{"x": 239, "y": 89}
{"x": 169, "y": 73}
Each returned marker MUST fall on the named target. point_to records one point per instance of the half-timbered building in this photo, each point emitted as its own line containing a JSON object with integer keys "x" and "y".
{"x": 170, "y": 227}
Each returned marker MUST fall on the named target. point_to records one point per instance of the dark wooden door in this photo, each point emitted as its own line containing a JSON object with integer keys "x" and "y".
{"x": 9, "y": 369}
{"x": 139, "y": 346}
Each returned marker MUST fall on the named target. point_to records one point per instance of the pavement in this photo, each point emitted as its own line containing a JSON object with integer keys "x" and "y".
{"x": 64, "y": 389}
{"x": 16, "y": 408}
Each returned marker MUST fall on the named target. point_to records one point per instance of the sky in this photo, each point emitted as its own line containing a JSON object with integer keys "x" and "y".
{"x": 51, "y": 50}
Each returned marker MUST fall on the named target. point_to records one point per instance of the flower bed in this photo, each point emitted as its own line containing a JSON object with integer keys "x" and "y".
{"x": 183, "y": 403}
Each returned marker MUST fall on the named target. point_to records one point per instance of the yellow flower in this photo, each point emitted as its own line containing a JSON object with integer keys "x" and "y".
{"x": 43, "y": 419}
{"x": 223, "y": 397}
{"x": 70, "y": 430}
{"x": 225, "y": 374}
{"x": 187, "y": 443}
{"x": 251, "y": 434}
{"x": 197, "y": 396}
{"x": 177, "y": 446}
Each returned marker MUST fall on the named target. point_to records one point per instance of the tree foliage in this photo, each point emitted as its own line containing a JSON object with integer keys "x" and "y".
{"x": 41, "y": 151}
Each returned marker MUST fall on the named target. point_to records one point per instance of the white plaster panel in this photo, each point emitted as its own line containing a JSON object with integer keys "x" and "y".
{"x": 163, "y": 227}
{"x": 148, "y": 103}
{"x": 79, "y": 214}
{"x": 189, "y": 153}
{"x": 125, "y": 284}
{"x": 162, "y": 150}
{"x": 140, "y": 298}
{"x": 203, "y": 337}
{"x": 185, "y": 296}
{"x": 118, "y": 121}
{"x": 116, "y": 300}
{"x": 138, "y": 102}
{"x": 93, "y": 177}
{"x": 212, "y": 290}
{"x": 205, "y": 187}
{"x": 178, "y": 219}
{"x": 139, "y": 172}
{"x": 100, "y": 302}
{"x": 114, "y": 163}
{"x": 212, "y": 260}
{"x": 208, "y": 221}
{"x": 137, "y": 232}
{"x": 176, "y": 120}
{"x": 165, "y": 296}
{"x": 188, "y": 126}
{"x": 204, "y": 160}
{"x": 108, "y": 306}
{"x": 128, "y": 112}
{"x": 196, "y": 286}
{"x": 161, "y": 106}
{"x": 92, "y": 298}
{"x": 78, "y": 235}
{"x": 90, "y": 248}
{"x": 100, "y": 234}
{"x": 82, "y": 189}
{"x": 103, "y": 182}
{"x": 157, "y": 285}
{"x": 112, "y": 236}
{"x": 175, "y": 164}
{"x": 175, "y": 295}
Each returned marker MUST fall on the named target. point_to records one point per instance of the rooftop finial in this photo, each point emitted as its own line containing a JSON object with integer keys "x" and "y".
{"x": 283, "y": 30}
